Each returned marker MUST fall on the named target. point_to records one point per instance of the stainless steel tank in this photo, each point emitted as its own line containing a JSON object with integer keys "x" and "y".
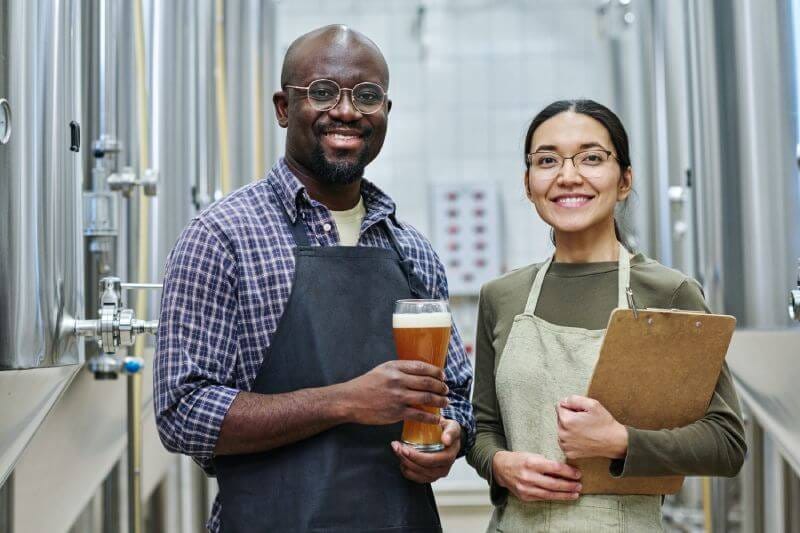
{"x": 41, "y": 270}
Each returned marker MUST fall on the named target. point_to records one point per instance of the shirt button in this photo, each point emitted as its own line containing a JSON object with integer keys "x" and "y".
{"x": 326, "y": 227}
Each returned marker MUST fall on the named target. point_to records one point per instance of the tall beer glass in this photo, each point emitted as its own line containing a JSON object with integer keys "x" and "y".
{"x": 422, "y": 333}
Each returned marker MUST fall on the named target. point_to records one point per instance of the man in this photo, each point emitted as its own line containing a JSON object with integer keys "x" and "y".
{"x": 275, "y": 367}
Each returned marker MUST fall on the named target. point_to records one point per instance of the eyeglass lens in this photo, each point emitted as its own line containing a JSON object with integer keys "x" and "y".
{"x": 325, "y": 94}
{"x": 590, "y": 164}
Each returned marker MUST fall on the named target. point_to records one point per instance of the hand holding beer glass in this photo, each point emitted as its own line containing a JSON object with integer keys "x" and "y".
{"x": 422, "y": 333}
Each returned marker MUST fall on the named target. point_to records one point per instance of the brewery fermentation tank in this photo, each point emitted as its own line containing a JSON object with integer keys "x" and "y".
{"x": 41, "y": 270}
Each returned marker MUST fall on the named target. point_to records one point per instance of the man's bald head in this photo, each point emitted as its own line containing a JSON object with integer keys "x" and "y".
{"x": 316, "y": 43}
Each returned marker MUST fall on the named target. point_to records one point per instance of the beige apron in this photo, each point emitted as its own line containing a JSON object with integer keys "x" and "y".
{"x": 541, "y": 364}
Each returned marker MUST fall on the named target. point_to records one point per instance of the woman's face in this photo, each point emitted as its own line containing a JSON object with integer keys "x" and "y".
{"x": 567, "y": 199}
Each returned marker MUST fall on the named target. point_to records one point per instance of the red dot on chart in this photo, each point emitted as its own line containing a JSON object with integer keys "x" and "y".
{"x": 480, "y": 263}
{"x": 452, "y": 196}
{"x": 480, "y": 245}
{"x": 468, "y": 349}
{"x": 479, "y": 212}
{"x": 453, "y": 246}
{"x": 452, "y": 230}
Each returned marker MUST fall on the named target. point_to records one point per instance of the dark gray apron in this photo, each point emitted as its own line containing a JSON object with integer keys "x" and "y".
{"x": 337, "y": 325}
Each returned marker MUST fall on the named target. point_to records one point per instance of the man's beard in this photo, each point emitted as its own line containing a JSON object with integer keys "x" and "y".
{"x": 339, "y": 172}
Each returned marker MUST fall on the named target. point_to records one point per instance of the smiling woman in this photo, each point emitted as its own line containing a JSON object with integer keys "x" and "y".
{"x": 539, "y": 334}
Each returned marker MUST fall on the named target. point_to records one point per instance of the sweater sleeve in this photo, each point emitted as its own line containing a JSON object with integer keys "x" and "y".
{"x": 490, "y": 437}
{"x": 712, "y": 446}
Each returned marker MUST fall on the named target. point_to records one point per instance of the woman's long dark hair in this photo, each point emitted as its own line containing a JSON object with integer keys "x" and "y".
{"x": 606, "y": 117}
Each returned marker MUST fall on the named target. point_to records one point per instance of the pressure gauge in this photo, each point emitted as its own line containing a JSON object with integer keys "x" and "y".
{"x": 5, "y": 121}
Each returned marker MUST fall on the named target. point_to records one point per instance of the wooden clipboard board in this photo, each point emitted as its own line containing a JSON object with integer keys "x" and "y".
{"x": 657, "y": 369}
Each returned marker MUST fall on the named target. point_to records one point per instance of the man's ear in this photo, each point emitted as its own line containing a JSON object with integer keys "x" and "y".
{"x": 388, "y": 106}
{"x": 281, "y": 103}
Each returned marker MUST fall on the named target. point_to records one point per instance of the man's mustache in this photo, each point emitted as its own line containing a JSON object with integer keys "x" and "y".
{"x": 364, "y": 131}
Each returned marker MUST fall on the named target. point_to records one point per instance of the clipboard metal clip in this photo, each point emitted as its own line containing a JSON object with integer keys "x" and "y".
{"x": 632, "y": 302}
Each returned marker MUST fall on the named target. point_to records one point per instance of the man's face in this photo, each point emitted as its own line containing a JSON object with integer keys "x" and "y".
{"x": 333, "y": 146}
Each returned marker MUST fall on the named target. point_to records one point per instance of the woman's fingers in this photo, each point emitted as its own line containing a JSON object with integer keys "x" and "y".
{"x": 555, "y": 484}
{"x": 535, "y": 494}
{"x": 554, "y": 468}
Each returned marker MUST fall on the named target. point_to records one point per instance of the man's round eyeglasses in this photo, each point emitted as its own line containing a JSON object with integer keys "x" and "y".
{"x": 324, "y": 95}
{"x": 589, "y": 163}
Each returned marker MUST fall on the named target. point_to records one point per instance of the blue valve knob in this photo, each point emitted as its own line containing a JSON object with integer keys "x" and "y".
{"x": 132, "y": 365}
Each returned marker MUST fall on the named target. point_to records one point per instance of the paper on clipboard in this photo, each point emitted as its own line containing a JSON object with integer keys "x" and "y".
{"x": 657, "y": 369}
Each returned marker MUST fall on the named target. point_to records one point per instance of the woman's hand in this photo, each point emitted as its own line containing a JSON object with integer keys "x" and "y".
{"x": 531, "y": 477}
{"x": 587, "y": 429}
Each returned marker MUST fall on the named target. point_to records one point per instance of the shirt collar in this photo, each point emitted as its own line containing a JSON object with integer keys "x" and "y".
{"x": 291, "y": 192}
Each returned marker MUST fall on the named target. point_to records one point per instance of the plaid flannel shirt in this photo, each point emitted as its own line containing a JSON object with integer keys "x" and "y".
{"x": 226, "y": 285}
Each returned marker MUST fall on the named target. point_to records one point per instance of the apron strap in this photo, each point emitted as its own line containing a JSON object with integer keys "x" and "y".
{"x": 300, "y": 236}
{"x": 624, "y": 280}
{"x": 297, "y": 227}
{"x": 418, "y": 288}
{"x": 624, "y": 277}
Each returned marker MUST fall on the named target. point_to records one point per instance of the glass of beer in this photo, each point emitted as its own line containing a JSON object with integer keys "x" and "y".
{"x": 422, "y": 333}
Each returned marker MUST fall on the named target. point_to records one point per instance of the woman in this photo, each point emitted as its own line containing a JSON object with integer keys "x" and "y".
{"x": 539, "y": 335}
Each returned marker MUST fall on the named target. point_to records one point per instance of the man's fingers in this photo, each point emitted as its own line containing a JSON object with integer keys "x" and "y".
{"x": 427, "y": 399}
{"x": 442, "y": 459}
{"x": 416, "y": 475}
{"x": 427, "y": 384}
{"x": 418, "y": 415}
{"x": 420, "y": 474}
{"x": 418, "y": 368}
{"x": 451, "y": 431}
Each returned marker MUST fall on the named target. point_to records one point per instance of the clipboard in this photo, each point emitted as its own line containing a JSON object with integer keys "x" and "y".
{"x": 657, "y": 369}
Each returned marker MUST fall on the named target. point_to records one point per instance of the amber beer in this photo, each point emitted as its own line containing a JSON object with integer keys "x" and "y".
{"x": 422, "y": 333}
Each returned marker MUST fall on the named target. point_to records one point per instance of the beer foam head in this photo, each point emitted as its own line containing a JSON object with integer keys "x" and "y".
{"x": 421, "y": 320}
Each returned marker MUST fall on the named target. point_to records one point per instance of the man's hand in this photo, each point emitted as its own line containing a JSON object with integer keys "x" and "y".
{"x": 587, "y": 429}
{"x": 389, "y": 393}
{"x": 530, "y": 477}
{"x": 424, "y": 467}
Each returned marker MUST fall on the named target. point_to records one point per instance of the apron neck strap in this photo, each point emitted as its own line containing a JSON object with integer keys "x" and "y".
{"x": 624, "y": 280}
{"x": 418, "y": 289}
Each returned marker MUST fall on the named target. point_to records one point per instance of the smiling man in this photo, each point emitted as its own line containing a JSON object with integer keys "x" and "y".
{"x": 275, "y": 366}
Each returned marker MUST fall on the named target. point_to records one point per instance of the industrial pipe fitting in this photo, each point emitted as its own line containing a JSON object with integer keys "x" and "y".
{"x": 125, "y": 181}
{"x": 116, "y": 328}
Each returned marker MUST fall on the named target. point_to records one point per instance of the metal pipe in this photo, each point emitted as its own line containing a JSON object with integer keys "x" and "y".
{"x": 661, "y": 197}
{"x": 707, "y": 516}
{"x": 135, "y": 523}
{"x": 220, "y": 85}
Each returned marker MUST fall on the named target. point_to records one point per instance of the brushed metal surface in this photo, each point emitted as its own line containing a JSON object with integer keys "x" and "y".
{"x": 41, "y": 246}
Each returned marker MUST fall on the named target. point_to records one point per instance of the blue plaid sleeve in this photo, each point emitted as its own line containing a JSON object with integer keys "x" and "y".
{"x": 458, "y": 373}
{"x": 197, "y": 344}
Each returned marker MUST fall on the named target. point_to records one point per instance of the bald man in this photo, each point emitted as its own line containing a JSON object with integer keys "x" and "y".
{"x": 275, "y": 367}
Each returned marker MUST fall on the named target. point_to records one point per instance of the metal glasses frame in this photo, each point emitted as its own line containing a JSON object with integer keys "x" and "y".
{"x": 339, "y": 95}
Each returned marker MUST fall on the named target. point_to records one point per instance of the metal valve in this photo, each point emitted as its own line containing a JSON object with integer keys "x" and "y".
{"x": 116, "y": 328}
{"x": 125, "y": 181}
{"x": 794, "y": 298}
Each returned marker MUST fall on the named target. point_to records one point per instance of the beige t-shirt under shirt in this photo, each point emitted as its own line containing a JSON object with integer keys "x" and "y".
{"x": 348, "y": 223}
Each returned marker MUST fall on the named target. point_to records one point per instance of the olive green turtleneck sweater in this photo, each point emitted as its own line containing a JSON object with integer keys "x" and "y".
{"x": 583, "y": 295}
